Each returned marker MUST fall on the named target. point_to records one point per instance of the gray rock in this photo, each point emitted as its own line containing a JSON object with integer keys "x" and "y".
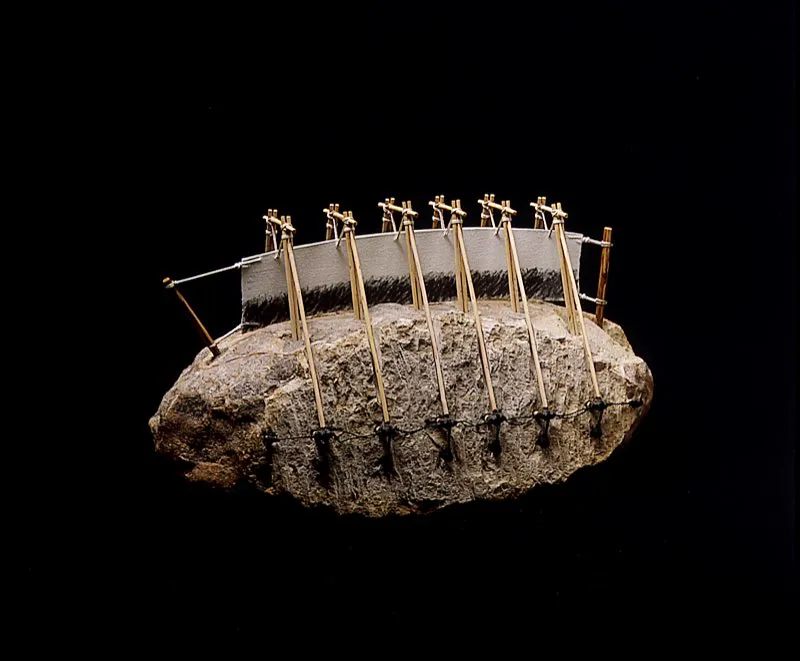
{"x": 215, "y": 416}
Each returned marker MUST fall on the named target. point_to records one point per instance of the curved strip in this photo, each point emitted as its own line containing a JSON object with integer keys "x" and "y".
{"x": 384, "y": 261}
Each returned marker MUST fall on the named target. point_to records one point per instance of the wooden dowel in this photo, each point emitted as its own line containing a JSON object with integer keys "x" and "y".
{"x": 353, "y": 283}
{"x": 461, "y": 287}
{"x": 538, "y": 216}
{"x": 197, "y": 323}
{"x": 528, "y": 323}
{"x": 487, "y": 375}
{"x": 434, "y": 343}
{"x": 569, "y": 303}
{"x": 513, "y": 294}
{"x": 412, "y": 272}
{"x": 576, "y": 295}
{"x": 373, "y": 349}
{"x": 290, "y": 291}
{"x": 306, "y": 336}
{"x": 602, "y": 282}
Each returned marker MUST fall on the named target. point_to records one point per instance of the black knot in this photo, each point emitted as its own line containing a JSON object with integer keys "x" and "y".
{"x": 441, "y": 422}
{"x": 444, "y": 423}
{"x": 493, "y": 421}
{"x": 269, "y": 438}
{"x": 596, "y": 404}
{"x": 324, "y": 459}
{"x": 635, "y": 403}
{"x": 323, "y": 435}
{"x": 386, "y": 432}
{"x": 544, "y": 417}
{"x": 545, "y": 414}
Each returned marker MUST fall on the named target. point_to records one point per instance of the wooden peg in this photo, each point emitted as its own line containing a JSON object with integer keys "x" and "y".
{"x": 513, "y": 293}
{"x": 408, "y": 225}
{"x": 538, "y": 215}
{"x": 348, "y": 231}
{"x": 569, "y": 301}
{"x": 602, "y": 282}
{"x": 201, "y": 329}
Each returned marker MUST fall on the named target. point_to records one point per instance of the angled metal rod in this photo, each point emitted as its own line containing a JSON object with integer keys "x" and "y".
{"x": 237, "y": 265}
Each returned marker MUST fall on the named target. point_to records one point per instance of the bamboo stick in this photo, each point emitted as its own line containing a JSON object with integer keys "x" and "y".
{"x": 197, "y": 323}
{"x": 538, "y": 218}
{"x": 477, "y": 317}
{"x": 576, "y": 294}
{"x": 408, "y": 226}
{"x": 352, "y": 269}
{"x": 306, "y": 336}
{"x": 602, "y": 282}
{"x": 569, "y": 303}
{"x": 291, "y": 294}
{"x": 528, "y": 323}
{"x": 424, "y": 296}
{"x": 460, "y": 279}
{"x": 376, "y": 366}
{"x": 513, "y": 294}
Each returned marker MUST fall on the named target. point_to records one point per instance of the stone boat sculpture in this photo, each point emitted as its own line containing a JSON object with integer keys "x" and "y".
{"x": 408, "y": 370}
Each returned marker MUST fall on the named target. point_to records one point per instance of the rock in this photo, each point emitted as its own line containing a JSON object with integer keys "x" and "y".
{"x": 215, "y": 418}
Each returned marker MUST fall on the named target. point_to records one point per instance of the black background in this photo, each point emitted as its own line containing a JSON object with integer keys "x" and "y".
{"x": 671, "y": 122}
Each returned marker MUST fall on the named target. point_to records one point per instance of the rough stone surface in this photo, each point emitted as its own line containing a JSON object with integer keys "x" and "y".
{"x": 214, "y": 418}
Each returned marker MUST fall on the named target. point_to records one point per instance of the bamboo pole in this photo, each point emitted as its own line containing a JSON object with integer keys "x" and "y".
{"x": 569, "y": 303}
{"x": 306, "y": 336}
{"x": 424, "y": 296}
{"x": 538, "y": 217}
{"x": 329, "y": 225}
{"x": 362, "y": 294}
{"x": 513, "y": 292}
{"x": 197, "y": 323}
{"x": 290, "y": 290}
{"x": 602, "y": 282}
{"x": 353, "y": 277}
{"x": 461, "y": 282}
{"x": 574, "y": 287}
{"x": 476, "y": 315}
{"x": 388, "y": 221}
{"x": 270, "y": 243}
{"x": 528, "y": 323}
{"x": 408, "y": 225}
